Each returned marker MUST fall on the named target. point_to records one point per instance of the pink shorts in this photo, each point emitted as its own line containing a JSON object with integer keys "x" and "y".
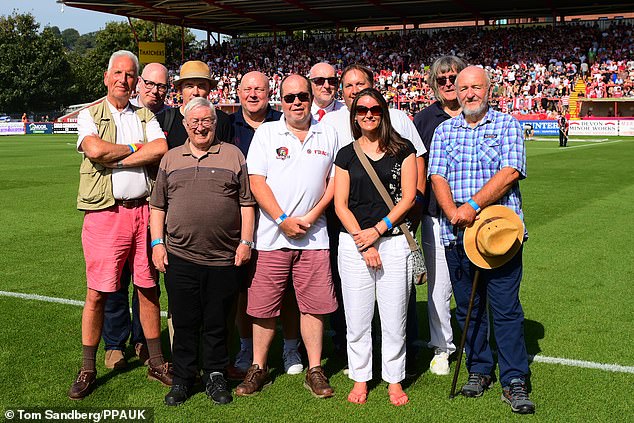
{"x": 310, "y": 272}
{"x": 112, "y": 237}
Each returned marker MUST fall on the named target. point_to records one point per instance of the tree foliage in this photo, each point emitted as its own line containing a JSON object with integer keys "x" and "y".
{"x": 33, "y": 65}
{"x": 49, "y": 69}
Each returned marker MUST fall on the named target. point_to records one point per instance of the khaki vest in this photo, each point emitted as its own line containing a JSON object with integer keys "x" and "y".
{"x": 95, "y": 180}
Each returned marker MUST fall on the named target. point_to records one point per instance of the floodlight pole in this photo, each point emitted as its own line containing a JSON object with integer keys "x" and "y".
{"x": 476, "y": 276}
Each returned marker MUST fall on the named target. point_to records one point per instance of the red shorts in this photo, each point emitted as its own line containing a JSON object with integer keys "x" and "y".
{"x": 310, "y": 272}
{"x": 112, "y": 237}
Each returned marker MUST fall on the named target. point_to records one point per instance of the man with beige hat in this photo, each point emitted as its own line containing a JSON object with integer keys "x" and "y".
{"x": 476, "y": 160}
{"x": 194, "y": 81}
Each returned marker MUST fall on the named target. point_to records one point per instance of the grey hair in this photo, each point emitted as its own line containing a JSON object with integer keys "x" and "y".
{"x": 442, "y": 65}
{"x": 124, "y": 53}
{"x": 196, "y": 103}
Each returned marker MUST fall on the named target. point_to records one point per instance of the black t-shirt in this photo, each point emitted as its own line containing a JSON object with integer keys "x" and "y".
{"x": 176, "y": 133}
{"x": 364, "y": 200}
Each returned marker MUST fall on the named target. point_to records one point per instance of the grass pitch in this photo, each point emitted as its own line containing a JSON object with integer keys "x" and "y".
{"x": 576, "y": 294}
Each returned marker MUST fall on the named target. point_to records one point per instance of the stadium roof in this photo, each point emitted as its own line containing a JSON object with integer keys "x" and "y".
{"x": 245, "y": 16}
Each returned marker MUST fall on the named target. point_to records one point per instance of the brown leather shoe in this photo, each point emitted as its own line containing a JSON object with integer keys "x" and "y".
{"x": 317, "y": 383}
{"x": 162, "y": 373}
{"x": 142, "y": 353}
{"x": 253, "y": 382}
{"x": 83, "y": 384}
{"x": 115, "y": 360}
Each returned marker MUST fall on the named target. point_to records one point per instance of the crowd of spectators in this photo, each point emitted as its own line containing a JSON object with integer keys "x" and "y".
{"x": 533, "y": 68}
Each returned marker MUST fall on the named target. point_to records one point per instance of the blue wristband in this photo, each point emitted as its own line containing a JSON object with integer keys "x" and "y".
{"x": 156, "y": 242}
{"x": 280, "y": 219}
{"x": 388, "y": 222}
{"x": 474, "y": 205}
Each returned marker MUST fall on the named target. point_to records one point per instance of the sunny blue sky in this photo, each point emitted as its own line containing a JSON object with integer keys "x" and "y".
{"x": 49, "y": 12}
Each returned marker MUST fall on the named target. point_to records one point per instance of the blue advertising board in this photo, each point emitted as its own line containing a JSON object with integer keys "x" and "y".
{"x": 543, "y": 127}
{"x": 39, "y": 128}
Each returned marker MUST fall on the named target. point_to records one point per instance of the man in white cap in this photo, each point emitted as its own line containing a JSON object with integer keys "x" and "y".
{"x": 476, "y": 160}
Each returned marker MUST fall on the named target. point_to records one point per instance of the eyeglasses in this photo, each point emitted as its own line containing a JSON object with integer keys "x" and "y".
{"x": 206, "y": 123}
{"x": 151, "y": 84}
{"x": 374, "y": 110}
{"x": 442, "y": 80}
{"x": 303, "y": 97}
{"x": 320, "y": 80}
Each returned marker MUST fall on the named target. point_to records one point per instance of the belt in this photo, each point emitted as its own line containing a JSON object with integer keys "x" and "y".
{"x": 130, "y": 204}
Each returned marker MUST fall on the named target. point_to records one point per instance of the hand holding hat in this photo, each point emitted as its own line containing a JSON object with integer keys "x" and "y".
{"x": 494, "y": 238}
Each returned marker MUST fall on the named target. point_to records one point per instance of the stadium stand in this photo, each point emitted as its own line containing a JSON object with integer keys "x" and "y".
{"x": 534, "y": 69}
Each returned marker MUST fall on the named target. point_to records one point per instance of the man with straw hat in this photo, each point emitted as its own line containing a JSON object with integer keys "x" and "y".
{"x": 477, "y": 160}
{"x": 195, "y": 80}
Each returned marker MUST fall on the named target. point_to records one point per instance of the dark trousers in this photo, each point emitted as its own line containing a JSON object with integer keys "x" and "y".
{"x": 563, "y": 139}
{"x": 501, "y": 288}
{"x": 200, "y": 300}
{"x": 338, "y": 317}
{"x": 117, "y": 325}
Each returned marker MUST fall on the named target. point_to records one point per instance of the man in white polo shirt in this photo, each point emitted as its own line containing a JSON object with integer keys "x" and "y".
{"x": 291, "y": 168}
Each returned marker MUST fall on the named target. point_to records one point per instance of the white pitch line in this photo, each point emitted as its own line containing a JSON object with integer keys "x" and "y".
{"x": 617, "y": 368}
{"x": 50, "y": 299}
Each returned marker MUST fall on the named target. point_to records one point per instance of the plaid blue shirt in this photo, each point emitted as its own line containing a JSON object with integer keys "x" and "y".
{"x": 469, "y": 157}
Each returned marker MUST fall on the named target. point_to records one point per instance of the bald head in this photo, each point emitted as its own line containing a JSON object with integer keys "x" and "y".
{"x": 324, "y": 83}
{"x": 153, "y": 86}
{"x": 473, "y": 85}
{"x": 156, "y": 71}
{"x": 253, "y": 92}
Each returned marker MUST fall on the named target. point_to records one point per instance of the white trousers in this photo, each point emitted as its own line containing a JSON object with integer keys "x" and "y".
{"x": 361, "y": 288}
{"x": 438, "y": 287}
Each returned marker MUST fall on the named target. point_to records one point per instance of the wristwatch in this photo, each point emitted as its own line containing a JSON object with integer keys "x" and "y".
{"x": 249, "y": 244}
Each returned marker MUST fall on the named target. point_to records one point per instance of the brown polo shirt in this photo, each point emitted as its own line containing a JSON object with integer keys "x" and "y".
{"x": 202, "y": 197}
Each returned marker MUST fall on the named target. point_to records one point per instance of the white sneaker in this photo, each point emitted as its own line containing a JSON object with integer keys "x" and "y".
{"x": 440, "y": 364}
{"x": 292, "y": 362}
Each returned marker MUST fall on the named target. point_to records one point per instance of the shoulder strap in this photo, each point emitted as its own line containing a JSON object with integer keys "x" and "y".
{"x": 382, "y": 191}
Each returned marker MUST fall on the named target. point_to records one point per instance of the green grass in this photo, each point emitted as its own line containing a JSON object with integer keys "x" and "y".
{"x": 576, "y": 293}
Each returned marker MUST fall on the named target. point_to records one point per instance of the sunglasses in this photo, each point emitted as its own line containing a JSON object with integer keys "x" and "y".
{"x": 375, "y": 110}
{"x": 442, "y": 80}
{"x": 290, "y": 98}
{"x": 320, "y": 80}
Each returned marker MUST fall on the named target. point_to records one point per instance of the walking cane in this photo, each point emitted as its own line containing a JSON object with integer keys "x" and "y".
{"x": 452, "y": 394}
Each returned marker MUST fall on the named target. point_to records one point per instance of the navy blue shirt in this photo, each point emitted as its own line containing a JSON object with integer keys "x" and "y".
{"x": 241, "y": 131}
{"x": 426, "y": 122}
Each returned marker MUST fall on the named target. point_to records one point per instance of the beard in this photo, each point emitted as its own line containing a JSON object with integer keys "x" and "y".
{"x": 478, "y": 111}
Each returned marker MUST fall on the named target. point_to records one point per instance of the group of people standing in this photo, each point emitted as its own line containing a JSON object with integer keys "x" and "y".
{"x": 280, "y": 214}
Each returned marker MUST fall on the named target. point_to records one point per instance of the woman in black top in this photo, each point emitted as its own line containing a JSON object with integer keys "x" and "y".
{"x": 372, "y": 249}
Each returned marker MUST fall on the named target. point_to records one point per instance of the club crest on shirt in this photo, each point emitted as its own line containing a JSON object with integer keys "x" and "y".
{"x": 282, "y": 153}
